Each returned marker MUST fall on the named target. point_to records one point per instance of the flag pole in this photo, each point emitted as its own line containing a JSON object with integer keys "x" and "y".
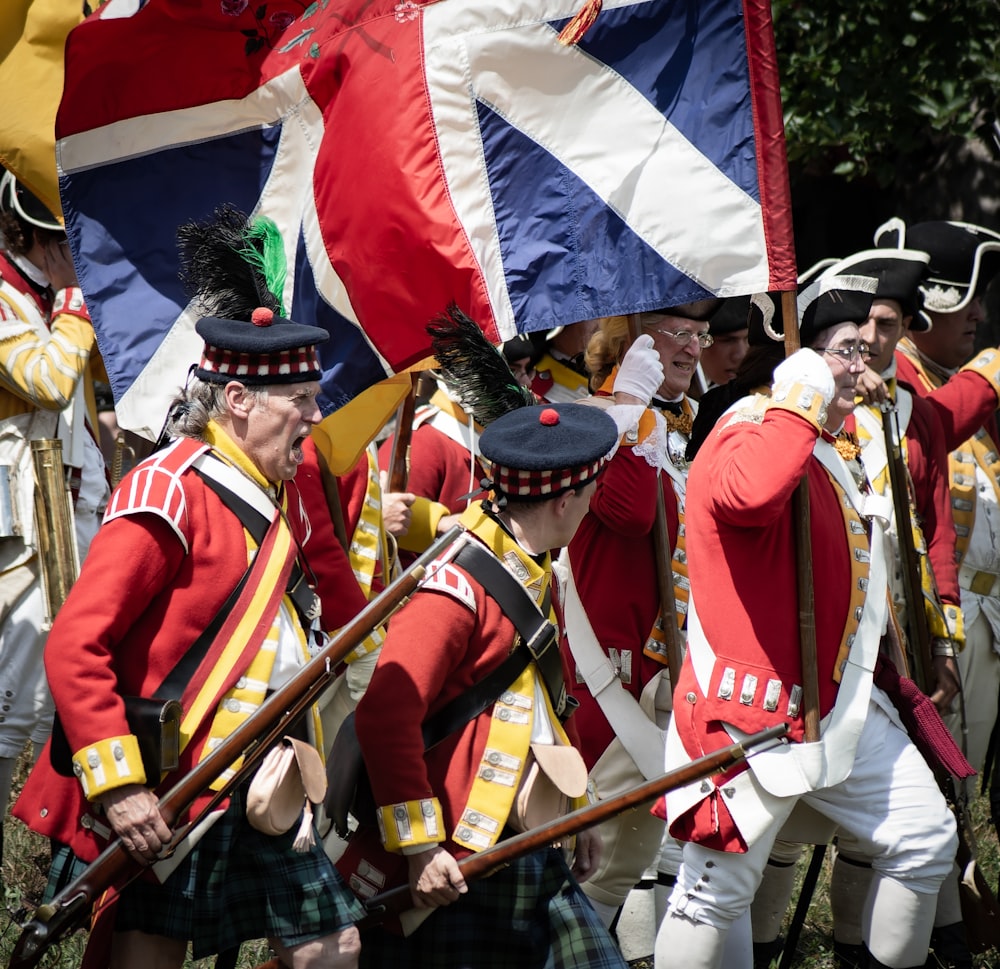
{"x": 663, "y": 558}
{"x": 803, "y": 557}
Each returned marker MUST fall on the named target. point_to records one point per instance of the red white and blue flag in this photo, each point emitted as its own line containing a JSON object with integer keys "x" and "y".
{"x": 415, "y": 154}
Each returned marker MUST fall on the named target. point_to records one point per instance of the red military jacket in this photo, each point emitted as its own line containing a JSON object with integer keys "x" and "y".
{"x": 615, "y": 573}
{"x": 447, "y": 639}
{"x": 149, "y": 586}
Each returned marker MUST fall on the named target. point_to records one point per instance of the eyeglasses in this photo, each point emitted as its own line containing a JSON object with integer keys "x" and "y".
{"x": 683, "y": 337}
{"x": 856, "y": 351}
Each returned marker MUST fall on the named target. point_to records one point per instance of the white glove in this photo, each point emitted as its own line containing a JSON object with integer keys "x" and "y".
{"x": 641, "y": 371}
{"x": 805, "y": 367}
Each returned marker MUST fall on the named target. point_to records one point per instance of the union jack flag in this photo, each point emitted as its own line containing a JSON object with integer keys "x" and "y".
{"x": 414, "y": 154}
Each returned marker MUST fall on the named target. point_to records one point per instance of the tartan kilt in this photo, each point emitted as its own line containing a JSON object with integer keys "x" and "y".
{"x": 237, "y": 884}
{"x": 530, "y": 915}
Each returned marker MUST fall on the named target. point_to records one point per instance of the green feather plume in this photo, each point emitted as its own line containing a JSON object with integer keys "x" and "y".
{"x": 231, "y": 264}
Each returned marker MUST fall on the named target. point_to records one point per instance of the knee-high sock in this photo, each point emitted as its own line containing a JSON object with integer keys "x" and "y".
{"x": 898, "y": 923}
{"x": 850, "y": 882}
{"x": 949, "y": 903}
{"x": 772, "y": 899}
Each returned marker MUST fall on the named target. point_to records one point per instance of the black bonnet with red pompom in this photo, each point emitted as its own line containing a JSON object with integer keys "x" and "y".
{"x": 263, "y": 350}
{"x": 540, "y": 451}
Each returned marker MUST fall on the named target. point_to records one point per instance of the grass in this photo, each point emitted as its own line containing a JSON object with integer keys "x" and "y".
{"x": 26, "y": 859}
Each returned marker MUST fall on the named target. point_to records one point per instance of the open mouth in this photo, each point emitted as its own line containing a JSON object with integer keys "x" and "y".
{"x": 297, "y": 448}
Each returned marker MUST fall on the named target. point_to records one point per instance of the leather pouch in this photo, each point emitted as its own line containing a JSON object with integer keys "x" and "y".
{"x": 290, "y": 779}
{"x": 157, "y": 728}
{"x": 553, "y": 776}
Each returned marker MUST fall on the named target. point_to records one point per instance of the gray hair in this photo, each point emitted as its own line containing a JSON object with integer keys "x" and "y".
{"x": 200, "y": 402}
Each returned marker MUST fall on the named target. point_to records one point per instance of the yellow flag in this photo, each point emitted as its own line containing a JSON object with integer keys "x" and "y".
{"x": 343, "y": 436}
{"x": 32, "y": 40}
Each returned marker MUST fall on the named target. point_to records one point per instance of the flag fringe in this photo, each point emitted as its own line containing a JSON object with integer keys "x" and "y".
{"x": 582, "y": 21}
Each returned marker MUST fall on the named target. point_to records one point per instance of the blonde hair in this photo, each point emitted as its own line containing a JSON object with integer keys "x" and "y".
{"x": 605, "y": 348}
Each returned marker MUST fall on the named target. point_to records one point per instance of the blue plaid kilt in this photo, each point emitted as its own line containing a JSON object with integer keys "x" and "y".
{"x": 530, "y": 915}
{"x": 237, "y": 884}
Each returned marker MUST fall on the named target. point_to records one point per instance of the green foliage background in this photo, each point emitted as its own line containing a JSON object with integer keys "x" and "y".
{"x": 870, "y": 88}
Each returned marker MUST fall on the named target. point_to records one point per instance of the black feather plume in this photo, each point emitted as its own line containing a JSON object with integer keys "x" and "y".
{"x": 221, "y": 263}
{"x": 474, "y": 368}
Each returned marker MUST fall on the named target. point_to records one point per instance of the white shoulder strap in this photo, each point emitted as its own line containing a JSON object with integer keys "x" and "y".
{"x": 642, "y": 738}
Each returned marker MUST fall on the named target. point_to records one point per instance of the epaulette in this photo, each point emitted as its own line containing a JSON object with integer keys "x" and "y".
{"x": 155, "y": 487}
{"x": 452, "y": 582}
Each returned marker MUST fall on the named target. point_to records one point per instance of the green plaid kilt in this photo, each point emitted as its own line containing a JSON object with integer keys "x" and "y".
{"x": 530, "y": 915}
{"x": 237, "y": 884}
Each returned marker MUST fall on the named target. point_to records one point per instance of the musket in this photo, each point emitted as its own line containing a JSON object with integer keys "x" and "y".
{"x": 664, "y": 561}
{"x": 482, "y": 863}
{"x": 399, "y": 460}
{"x": 917, "y": 632}
{"x": 252, "y": 739}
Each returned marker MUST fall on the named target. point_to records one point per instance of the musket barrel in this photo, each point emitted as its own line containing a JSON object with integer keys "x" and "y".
{"x": 251, "y": 740}
{"x": 481, "y": 863}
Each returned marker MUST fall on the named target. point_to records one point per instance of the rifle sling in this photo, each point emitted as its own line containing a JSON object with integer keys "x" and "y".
{"x": 538, "y": 642}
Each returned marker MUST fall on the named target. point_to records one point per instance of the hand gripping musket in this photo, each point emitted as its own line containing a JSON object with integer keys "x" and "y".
{"x": 251, "y": 740}
{"x": 482, "y": 863}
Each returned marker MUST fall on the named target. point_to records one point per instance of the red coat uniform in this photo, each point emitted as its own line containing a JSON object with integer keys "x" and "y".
{"x": 446, "y": 640}
{"x": 149, "y": 586}
{"x": 440, "y": 473}
{"x": 615, "y": 573}
{"x": 966, "y": 402}
{"x": 742, "y": 566}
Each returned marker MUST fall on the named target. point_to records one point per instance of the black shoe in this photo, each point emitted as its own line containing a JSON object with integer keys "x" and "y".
{"x": 949, "y": 948}
{"x": 766, "y": 953}
{"x": 847, "y": 956}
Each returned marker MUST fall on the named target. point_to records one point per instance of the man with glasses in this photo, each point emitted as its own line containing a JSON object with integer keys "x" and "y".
{"x": 743, "y": 668}
{"x": 619, "y": 634}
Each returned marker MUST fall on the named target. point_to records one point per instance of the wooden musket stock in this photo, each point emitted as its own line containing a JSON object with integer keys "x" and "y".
{"x": 482, "y": 863}
{"x": 918, "y": 636}
{"x": 251, "y": 740}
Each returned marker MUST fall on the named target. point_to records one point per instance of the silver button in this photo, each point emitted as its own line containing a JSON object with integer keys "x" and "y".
{"x": 473, "y": 817}
{"x": 44, "y": 813}
{"x": 427, "y": 809}
{"x": 488, "y": 773}
{"x": 399, "y": 813}
{"x": 118, "y": 752}
{"x": 503, "y": 715}
{"x": 507, "y": 697}
{"x": 464, "y": 833}
{"x": 241, "y": 683}
{"x": 93, "y": 760}
{"x": 691, "y": 697}
{"x": 493, "y": 757}
{"x": 233, "y": 705}
{"x": 77, "y": 769}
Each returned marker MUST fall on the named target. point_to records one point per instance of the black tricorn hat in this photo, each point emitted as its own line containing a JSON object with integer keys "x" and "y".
{"x": 753, "y": 311}
{"x": 899, "y": 273}
{"x": 14, "y": 197}
{"x": 963, "y": 258}
{"x": 539, "y": 451}
{"x": 263, "y": 350}
{"x": 834, "y": 299}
